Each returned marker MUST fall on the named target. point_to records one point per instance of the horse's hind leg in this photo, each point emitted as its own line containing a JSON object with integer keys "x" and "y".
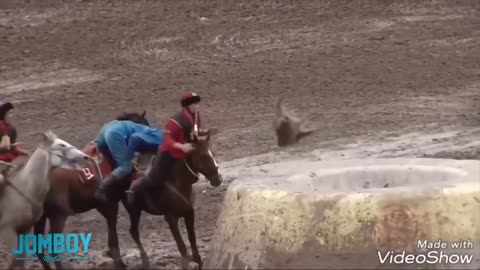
{"x": 189, "y": 224}
{"x": 134, "y": 222}
{"x": 173, "y": 225}
{"x": 57, "y": 224}
{"x": 39, "y": 228}
{"x": 110, "y": 212}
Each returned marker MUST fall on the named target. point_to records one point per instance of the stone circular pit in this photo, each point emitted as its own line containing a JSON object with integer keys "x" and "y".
{"x": 340, "y": 214}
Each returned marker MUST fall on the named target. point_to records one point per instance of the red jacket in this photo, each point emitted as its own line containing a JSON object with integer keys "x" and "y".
{"x": 174, "y": 133}
{"x": 15, "y": 150}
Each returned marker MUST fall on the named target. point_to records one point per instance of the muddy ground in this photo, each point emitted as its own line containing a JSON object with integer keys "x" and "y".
{"x": 406, "y": 73}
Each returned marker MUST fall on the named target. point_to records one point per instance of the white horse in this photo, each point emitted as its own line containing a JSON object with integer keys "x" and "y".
{"x": 24, "y": 191}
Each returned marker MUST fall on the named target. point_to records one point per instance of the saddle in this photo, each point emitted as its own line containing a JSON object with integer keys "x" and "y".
{"x": 101, "y": 163}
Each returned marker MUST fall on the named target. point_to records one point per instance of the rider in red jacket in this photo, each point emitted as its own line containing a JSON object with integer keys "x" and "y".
{"x": 9, "y": 149}
{"x": 175, "y": 145}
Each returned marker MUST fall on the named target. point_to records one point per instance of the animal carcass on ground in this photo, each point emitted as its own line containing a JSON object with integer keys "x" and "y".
{"x": 289, "y": 128}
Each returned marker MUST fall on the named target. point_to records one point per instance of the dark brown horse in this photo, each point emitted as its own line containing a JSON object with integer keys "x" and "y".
{"x": 73, "y": 192}
{"x": 173, "y": 199}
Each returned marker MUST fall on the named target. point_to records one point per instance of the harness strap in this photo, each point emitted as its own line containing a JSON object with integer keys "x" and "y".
{"x": 190, "y": 169}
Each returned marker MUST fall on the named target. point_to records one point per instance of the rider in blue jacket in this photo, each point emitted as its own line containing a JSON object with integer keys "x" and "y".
{"x": 121, "y": 139}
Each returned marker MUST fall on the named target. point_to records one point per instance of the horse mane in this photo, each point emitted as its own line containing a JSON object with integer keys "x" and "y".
{"x": 134, "y": 117}
{"x": 127, "y": 116}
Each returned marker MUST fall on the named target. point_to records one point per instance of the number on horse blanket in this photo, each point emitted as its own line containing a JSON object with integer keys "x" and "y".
{"x": 87, "y": 174}
{"x": 103, "y": 162}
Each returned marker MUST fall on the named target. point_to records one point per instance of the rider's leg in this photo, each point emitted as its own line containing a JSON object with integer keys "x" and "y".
{"x": 119, "y": 151}
{"x": 161, "y": 171}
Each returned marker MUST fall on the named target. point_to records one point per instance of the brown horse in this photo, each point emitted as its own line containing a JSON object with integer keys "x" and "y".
{"x": 73, "y": 192}
{"x": 173, "y": 199}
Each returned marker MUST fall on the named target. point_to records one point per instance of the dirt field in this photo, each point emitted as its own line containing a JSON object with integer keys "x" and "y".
{"x": 380, "y": 79}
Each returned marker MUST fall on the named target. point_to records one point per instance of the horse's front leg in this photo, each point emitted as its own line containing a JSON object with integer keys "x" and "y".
{"x": 190, "y": 225}
{"x": 135, "y": 215}
{"x": 110, "y": 212}
{"x": 173, "y": 225}
{"x": 39, "y": 228}
{"x": 15, "y": 263}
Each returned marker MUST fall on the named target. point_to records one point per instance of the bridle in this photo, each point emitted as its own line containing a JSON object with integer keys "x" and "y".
{"x": 51, "y": 153}
{"x": 190, "y": 169}
{"x": 194, "y": 137}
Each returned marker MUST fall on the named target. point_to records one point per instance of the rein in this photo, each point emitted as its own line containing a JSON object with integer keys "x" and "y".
{"x": 8, "y": 182}
{"x": 190, "y": 169}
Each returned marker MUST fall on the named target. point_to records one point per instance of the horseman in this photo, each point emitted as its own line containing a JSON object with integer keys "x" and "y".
{"x": 121, "y": 140}
{"x": 9, "y": 149}
{"x": 175, "y": 146}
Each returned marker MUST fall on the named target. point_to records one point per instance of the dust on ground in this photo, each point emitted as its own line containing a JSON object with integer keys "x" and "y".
{"x": 396, "y": 78}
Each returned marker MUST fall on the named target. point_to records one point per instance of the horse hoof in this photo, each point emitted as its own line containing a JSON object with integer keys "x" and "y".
{"x": 185, "y": 263}
{"x": 194, "y": 265}
{"x": 120, "y": 265}
{"x": 108, "y": 253}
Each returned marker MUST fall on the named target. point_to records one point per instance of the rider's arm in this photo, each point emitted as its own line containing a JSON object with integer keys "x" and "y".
{"x": 16, "y": 149}
{"x": 5, "y": 144}
{"x": 133, "y": 144}
{"x": 172, "y": 136}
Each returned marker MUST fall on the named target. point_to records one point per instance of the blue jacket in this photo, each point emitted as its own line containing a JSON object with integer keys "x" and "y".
{"x": 123, "y": 138}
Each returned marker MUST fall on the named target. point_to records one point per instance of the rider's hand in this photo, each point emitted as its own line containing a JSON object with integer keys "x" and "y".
{"x": 187, "y": 147}
{"x": 5, "y": 143}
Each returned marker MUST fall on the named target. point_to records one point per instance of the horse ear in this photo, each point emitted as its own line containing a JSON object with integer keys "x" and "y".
{"x": 209, "y": 134}
{"x": 48, "y": 137}
{"x": 44, "y": 136}
{"x": 144, "y": 113}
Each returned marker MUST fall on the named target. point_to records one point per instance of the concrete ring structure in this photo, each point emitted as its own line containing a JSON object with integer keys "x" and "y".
{"x": 347, "y": 214}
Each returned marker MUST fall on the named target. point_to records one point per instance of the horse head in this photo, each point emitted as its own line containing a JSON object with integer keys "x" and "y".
{"x": 62, "y": 154}
{"x": 135, "y": 117}
{"x": 203, "y": 158}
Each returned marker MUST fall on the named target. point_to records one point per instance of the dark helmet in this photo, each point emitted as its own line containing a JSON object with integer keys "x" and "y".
{"x": 190, "y": 98}
{"x": 4, "y": 108}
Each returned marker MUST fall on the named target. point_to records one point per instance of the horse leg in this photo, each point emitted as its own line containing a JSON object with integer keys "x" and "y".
{"x": 134, "y": 221}
{"x": 189, "y": 224}
{"x": 110, "y": 212}
{"x": 57, "y": 224}
{"x": 173, "y": 225}
{"x": 18, "y": 263}
{"x": 39, "y": 228}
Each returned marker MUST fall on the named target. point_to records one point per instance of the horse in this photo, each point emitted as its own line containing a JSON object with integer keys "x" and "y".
{"x": 173, "y": 199}
{"x": 73, "y": 192}
{"x": 25, "y": 188}
{"x": 134, "y": 117}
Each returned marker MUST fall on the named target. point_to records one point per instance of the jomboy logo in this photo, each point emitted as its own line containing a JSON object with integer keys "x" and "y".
{"x": 52, "y": 245}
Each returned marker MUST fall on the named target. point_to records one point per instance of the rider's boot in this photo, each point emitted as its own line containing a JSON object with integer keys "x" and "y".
{"x": 135, "y": 189}
{"x": 104, "y": 188}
